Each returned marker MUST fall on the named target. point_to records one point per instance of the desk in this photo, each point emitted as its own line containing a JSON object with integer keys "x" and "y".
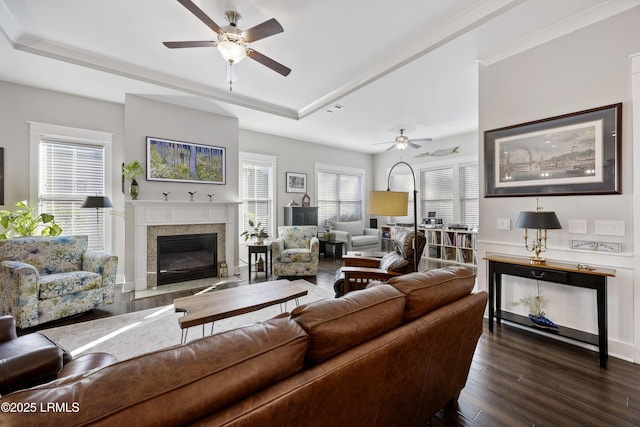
{"x": 268, "y": 258}
{"x": 557, "y": 272}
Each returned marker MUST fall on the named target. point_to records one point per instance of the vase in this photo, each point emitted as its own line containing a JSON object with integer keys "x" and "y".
{"x": 134, "y": 190}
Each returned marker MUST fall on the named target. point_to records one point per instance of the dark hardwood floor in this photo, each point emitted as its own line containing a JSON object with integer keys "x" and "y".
{"x": 517, "y": 378}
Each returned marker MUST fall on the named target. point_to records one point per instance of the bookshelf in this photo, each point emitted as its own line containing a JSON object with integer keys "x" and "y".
{"x": 448, "y": 246}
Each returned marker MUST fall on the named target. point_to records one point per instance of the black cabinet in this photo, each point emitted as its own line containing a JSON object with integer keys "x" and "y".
{"x": 296, "y": 215}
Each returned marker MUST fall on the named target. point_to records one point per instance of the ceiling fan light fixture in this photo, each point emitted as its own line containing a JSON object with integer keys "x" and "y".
{"x": 231, "y": 50}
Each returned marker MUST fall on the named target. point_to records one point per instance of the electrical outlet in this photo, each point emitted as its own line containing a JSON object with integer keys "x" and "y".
{"x": 504, "y": 224}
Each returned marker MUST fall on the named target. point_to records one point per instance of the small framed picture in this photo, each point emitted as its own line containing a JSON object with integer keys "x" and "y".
{"x": 296, "y": 182}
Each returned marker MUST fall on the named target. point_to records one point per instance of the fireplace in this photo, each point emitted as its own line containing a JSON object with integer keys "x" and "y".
{"x": 186, "y": 257}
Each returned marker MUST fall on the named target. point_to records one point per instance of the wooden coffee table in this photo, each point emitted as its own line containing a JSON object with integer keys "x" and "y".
{"x": 225, "y": 303}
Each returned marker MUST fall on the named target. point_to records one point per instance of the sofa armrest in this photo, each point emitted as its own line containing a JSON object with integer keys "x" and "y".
{"x": 373, "y": 232}
{"x": 7, "y": 328}
{"x": 277, "y": 248}
{"x": 19, "y": 289}
{"x": 356, "y": 278}
{"x": 360, "y": 261}
{"x": 341, "y": 236}
{"x": 106, "y": 265}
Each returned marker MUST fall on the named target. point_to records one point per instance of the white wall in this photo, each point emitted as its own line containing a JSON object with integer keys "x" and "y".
{"x": 586, "y": 69}
{"x": 301, "y": 157}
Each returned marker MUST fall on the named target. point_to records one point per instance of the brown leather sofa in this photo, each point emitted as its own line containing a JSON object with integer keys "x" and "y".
{"x": 389, "y": 355}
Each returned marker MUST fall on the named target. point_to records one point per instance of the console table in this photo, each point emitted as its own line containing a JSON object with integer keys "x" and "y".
{"x": 570, "y": 274}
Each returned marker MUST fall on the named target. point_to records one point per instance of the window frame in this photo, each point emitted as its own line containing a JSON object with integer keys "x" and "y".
{"x": 39, "y": 131}
{"x": 340, "y": 170}
{"x": 265, "y": 159}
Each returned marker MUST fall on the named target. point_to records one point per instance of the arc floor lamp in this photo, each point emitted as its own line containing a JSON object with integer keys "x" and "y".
{"x": 395, "y": 203}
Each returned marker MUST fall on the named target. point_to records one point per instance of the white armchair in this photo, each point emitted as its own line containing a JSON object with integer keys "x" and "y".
{"x": 356, "y": 236}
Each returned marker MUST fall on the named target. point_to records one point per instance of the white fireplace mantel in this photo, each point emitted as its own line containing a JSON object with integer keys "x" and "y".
{"x": 140, "y": 214}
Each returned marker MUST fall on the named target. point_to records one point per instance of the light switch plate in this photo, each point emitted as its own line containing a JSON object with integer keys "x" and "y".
{"x": 578, "y": 226}
{"x": 610, "y": 228}
{"x": 504, "y": 224}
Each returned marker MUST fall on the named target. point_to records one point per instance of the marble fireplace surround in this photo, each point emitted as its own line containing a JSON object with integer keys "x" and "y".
{"x": 146, "y": 219}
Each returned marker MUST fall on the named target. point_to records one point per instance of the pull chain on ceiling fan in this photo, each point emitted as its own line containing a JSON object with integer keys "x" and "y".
{"x": 233, "y": 43}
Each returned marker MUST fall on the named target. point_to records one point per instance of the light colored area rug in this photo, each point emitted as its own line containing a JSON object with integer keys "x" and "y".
{"x": 131, "y": 334}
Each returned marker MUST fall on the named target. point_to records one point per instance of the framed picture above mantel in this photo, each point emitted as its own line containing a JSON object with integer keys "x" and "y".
{"x": 179, "y": 161}
{"x": 572, "y": 154}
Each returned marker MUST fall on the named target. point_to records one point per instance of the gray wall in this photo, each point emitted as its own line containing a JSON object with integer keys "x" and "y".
{"x": 20, "y": 104}
{"x": 586, "y": 69}
{"x": 301, "y": 157}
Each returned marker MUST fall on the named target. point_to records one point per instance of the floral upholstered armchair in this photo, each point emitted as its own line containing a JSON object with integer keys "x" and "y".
{"x": 48, "y": 278}
{"x": 296, "y": 251}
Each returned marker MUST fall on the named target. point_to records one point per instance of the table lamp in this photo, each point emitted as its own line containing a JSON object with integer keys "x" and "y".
{"x": 541, "y": 222}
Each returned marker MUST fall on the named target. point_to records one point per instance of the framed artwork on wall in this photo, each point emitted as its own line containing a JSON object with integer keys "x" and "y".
{"x": 1, "y": 175}
{"x": 179, "y": 161}
{"x": 572, "y": 154}
{"x": 296, "y": 182}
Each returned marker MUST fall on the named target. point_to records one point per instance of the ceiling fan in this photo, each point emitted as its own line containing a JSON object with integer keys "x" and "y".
{"x": 402, "y": 141}
{"x": 232, "y": 42}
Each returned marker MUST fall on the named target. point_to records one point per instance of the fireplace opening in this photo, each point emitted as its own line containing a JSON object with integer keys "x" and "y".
{"x": 187, "y": 257}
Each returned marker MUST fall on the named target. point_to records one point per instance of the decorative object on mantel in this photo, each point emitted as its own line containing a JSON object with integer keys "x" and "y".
{"x": 192, "y": 193}
{"x": 211, "y": 197}
{"x": 255, "y": 232}
{"x": 166, "y": 195}
{"x": 132, "y": 171}
{"x": 292, "y": 203}
{"x": 306, "y": 201}
{"x": 539, "y": 221}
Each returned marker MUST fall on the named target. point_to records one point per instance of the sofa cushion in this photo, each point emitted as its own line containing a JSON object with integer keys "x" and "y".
{"x": 429, "y": 290}
{"x": 59, "y": 284}
{"x": 335, "y": 325}
{"x": 364, "y": 240}
{"x": 297, "y": 237}
{"x": 181, "y": 384}
{"x": 296, "y": 255}
{"x": 356, "y": 228}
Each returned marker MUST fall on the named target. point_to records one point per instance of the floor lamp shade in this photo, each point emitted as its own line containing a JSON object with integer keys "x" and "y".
{"x": 388, "y": 203}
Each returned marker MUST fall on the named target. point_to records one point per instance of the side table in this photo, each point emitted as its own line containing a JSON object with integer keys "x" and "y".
{"x": 256, "y": 250}
{"x": 337, "y": 247}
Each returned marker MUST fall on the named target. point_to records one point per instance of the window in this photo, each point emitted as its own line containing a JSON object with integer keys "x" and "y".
{"x": 71, "y": 165}
{"x": 339, "y": 194}
{"x": 257, "y": 191}
{"x": 469, "y": 195}
{"x": 437, "y": 193}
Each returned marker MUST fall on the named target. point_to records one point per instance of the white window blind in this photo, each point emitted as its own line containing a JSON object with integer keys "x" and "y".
{"x": 67, "y": 173}
{"x": 339, "y": 197}
{"x": 469, "y": 194}
{"x": 257, "y": 194}
{"x": 437, "y": 193}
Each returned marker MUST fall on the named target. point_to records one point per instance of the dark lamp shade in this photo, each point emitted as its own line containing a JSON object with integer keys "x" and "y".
{"x": 538, "y": 220}
{"x": 388, "y": 203}
{"x": 97, "y": 202}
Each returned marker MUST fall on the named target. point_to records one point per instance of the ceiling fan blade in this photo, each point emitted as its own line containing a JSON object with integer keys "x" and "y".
{"x": 421, "y": 139}
{"x": 380, "y": 143}
{"x": 268, "y": 62}
{"x": 260, "y": 31}
{"x": 200, "y": 15}
{"x": 411, "y": 144}
{"x": 178, "y": 45}
{"x": 391, "y": 148}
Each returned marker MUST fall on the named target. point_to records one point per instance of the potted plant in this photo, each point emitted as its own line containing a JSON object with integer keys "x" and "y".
{"x": 23, "y": 221}
{"x": 132, "y": 171}
{"x": 255, "y": 232}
